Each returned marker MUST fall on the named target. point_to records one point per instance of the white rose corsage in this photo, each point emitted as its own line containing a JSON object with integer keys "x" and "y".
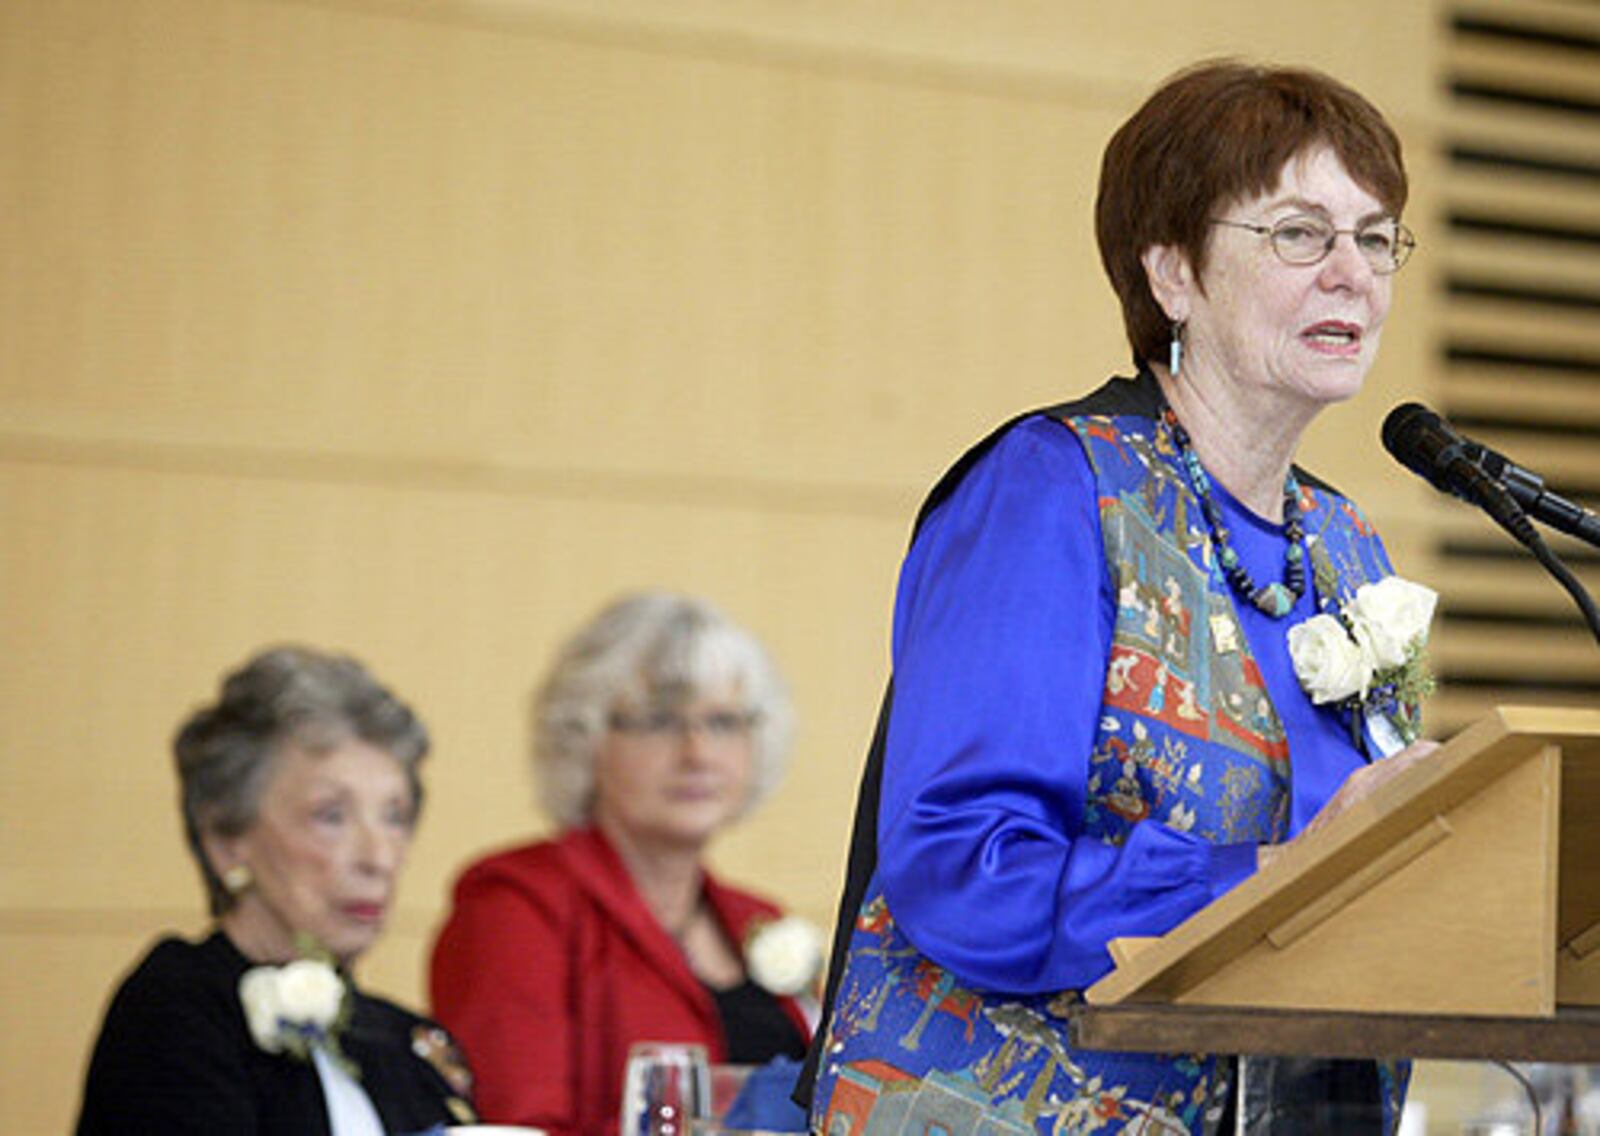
{"x": 1370, "y": 657}
{"x": 297, "y": 1008}
{"x": 784, "y": 956}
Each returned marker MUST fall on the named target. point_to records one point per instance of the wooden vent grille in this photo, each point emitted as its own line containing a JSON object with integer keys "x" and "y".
{"x": 1520, "y": 340}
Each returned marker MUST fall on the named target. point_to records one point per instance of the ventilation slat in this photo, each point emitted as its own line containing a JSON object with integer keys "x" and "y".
{"x": 1541, "y": 198}
{"x": 1549, "y": 102}
{"x": 1527, "y": 67}
{"x": 1502, "y": 258}
{"x": 1495, "y": 225}
{"x": 1515, "y": 158}
{"x": 1551, "y": 657}
{"x": 1521, "y": 130}
{"x": 1473, "y": 346}
{"x": 1519, "y": 341}
{"x": 1547, "y": 332}
{"x": 1524, "y": 395}
{"x": 1532, "y": 295}
{"x": 1466, "y": 534}
{"x": 1508, "y": 588}
{"x": 1573, "y": 23}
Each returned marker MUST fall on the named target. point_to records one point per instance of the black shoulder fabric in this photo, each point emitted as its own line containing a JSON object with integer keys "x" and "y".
{"x": 174, "y": 1055}
{"x": 1140, "y": 395}
{"x": 172, "y": 1052}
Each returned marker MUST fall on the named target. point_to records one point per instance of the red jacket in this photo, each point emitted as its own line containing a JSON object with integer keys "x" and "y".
{"x": 551, "y": 966}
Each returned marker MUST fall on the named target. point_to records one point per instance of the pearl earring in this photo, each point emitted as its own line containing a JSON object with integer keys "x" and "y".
{"x": 238, "y": 878}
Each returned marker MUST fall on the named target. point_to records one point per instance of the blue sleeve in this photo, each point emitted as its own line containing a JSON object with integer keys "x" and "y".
{"x": 1002, "y": 635}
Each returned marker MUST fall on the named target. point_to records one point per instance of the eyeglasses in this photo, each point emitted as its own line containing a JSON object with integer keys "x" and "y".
{"x": 659, "y": 725}
{"x": 1308, "y": 239}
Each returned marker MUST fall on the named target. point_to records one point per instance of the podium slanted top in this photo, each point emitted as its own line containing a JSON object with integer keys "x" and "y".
{"x": 1469, "y": 884}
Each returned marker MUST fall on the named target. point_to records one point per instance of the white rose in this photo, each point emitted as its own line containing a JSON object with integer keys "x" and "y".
{"x": 258, "y": 991}
{"x": 1329, "y": 664}
{"x": 784, "y": 956}
{"x": 310, "y": 993}
{"x": 1390, "y": 616}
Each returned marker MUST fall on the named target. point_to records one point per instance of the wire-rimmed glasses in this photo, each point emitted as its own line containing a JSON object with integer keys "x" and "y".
{"x": 661, "y": 723}
{"x": 1308, "y": 239}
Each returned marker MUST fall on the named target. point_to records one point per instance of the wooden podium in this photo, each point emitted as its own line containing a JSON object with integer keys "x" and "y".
{"x": 1455, "y": 913}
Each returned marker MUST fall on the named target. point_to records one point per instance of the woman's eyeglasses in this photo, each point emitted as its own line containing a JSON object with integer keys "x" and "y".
{"x": 1306, "y": 239}
{"x": 716, "y": 725}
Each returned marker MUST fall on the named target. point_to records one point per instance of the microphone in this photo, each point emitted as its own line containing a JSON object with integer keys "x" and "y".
{"x": 1527, "y": 489}
{"x": 1426, "y": 445}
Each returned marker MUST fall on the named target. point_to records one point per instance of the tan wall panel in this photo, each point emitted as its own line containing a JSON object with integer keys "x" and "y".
{"x": 1018, "y": 46}
{"x": 747, "y": 270}
{"x": 755, "y": 270}
{"x": 153, "y": 583}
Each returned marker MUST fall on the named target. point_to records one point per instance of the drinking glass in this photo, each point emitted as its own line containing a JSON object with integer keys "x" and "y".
{"x": 727, "y": 1083}
{"x": 667, "y": 1087}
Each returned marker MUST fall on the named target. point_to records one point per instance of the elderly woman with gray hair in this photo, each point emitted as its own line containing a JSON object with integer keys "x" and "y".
{"x": 299, "y": 792}
{"x": 660, "y": 722}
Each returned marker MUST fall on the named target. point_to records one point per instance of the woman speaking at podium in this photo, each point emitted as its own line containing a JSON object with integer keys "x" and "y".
{"x": 1136, "y": 648}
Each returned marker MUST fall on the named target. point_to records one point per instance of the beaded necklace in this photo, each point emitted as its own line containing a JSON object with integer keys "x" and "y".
{"x": 1275, "y": 599}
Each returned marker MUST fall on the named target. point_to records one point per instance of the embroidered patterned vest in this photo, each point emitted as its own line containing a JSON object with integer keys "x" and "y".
{"x": 1188, "y": 737}
{"x": 1188, "y": 732}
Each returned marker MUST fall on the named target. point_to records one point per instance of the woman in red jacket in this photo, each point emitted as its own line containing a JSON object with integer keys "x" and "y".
{"x": 661, "y": 721}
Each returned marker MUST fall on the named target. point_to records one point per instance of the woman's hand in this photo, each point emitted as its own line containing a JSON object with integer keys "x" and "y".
{"x": 1357, "y": 787}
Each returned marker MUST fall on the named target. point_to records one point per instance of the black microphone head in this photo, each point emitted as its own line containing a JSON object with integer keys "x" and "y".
{"x": 1426, "y": 445}
{"x": 1403, "y": 424}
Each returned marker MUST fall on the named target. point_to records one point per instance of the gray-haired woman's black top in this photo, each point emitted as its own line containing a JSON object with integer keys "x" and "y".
{"x": 175, "y": 1056}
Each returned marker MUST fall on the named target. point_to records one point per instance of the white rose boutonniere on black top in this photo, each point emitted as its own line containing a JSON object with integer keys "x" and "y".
{"x": 297, "y": 1008}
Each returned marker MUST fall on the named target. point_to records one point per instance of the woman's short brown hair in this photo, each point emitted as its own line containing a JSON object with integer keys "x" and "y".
{"x": 1213, "y": 134}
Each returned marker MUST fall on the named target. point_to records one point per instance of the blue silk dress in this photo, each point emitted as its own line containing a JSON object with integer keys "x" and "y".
{"x": 1087, "y": 739}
